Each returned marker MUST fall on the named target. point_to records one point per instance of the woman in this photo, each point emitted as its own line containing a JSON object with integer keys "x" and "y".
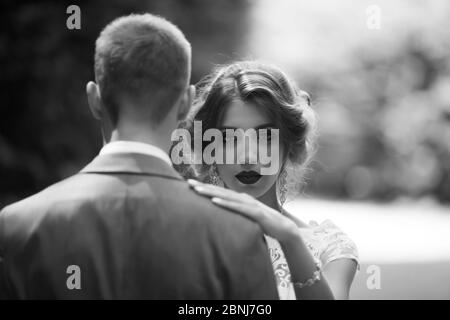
{"x": 311, "y": 261}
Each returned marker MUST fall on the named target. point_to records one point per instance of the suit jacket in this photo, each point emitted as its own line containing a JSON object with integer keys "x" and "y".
{"x": 129, "y": 227}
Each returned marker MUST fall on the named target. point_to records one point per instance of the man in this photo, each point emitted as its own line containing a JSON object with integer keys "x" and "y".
{"x": 127, "y": 226}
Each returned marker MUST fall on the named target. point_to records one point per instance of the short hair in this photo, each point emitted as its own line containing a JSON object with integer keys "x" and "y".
{"x": 145, "y": 59}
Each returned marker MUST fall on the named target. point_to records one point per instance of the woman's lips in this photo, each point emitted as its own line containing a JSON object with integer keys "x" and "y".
{"x": 248, "y": 177}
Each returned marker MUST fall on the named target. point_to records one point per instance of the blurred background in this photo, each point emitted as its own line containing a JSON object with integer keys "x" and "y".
{"x": 381, "y": 90}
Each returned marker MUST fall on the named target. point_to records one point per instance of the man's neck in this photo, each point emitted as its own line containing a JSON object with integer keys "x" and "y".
{"x": 153, "y": 137}
{"x": 270, "y": 198}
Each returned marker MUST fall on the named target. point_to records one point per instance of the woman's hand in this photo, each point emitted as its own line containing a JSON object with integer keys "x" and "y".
{"x": 272, "y": 222}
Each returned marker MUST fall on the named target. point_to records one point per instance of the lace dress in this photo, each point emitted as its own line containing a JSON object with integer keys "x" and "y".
{"x": 325, "y": 241}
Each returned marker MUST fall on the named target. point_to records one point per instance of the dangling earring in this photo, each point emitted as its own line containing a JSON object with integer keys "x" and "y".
{"x": 213, "y": 175}
{"x": 282, "y": 187}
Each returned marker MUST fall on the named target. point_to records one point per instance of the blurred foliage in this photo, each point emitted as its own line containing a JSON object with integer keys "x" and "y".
{"x": 384, "y": 117}
{"x": 385, "y": 123}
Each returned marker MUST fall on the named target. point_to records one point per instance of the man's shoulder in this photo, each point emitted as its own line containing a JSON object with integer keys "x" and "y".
{"x": 195, "y": 206}
{"x": 46, "y": 197}
{"x": 69, "y": 199}
{"x": 61, "y": 197}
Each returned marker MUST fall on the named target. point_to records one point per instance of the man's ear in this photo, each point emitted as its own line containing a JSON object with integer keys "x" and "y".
{"x": 94, "y": 100}
{"x": 186, "y": 103}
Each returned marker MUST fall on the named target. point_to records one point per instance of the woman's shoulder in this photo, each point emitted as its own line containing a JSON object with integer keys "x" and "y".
{"x": 332, "y": 242}
{"x": 326, "y": 227}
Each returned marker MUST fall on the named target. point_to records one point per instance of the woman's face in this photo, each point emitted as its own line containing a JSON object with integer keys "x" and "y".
{"x": 246, "y": 177}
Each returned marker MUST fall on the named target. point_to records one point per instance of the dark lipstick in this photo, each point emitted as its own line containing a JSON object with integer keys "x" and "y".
{"x": 248, "y": 177}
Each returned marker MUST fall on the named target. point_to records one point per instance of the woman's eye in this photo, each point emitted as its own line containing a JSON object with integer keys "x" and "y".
{"x": 228, "y": 138}
{"x": 268, "y": 136}
{"x": 224, "y": 137}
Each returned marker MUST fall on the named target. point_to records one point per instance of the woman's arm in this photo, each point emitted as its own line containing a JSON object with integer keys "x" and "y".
{"x": 340, "y": 271}
{"x": 273, "y": 223}
{"x": 339, "y": 274}
{"x": 302, "y": 266}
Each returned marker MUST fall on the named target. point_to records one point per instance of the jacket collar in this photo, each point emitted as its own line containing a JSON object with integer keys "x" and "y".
{"x": 131, "y": 163}
{"x": 123, "y": 146}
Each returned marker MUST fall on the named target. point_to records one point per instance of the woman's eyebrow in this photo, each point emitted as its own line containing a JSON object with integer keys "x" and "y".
{"x": 261, "y": 126}
{"x": 265, "y": 125}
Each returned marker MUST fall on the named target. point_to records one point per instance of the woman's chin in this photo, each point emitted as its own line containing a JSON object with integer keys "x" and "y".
{"x": 255, "y": 189}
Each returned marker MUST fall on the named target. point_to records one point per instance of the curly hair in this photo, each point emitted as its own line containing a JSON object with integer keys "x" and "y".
{"x": 267, "y": 87}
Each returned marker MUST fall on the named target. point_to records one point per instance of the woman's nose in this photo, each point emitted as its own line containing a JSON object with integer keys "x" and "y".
{"x": 251, "y": 150}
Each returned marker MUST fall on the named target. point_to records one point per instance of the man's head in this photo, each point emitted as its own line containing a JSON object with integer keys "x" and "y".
{"x": 142, "y": 70}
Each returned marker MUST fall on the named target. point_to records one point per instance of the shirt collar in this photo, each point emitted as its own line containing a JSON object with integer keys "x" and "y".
{"x": 135, "y": 147}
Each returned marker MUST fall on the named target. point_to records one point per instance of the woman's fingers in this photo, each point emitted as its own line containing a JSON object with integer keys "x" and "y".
{"x": 271, "y": 221}
{"x": 220, "y": 193}
{"x": 242, "y": 208}
{"x": 214, "y": 191}
{"x": 193, "y": 182}
{"x": 238, "y": 202}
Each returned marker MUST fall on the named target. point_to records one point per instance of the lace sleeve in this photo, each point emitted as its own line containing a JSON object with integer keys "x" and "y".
{"x": 334, "y": 243}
